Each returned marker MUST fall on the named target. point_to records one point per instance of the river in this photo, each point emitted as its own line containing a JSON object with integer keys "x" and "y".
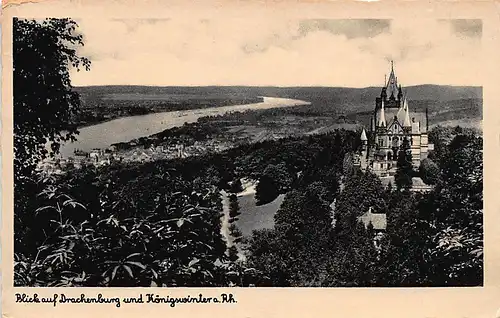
{"x": 128, "y": 128}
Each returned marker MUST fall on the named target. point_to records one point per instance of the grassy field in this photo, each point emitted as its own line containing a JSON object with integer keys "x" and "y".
{"x": 256, "y": 217}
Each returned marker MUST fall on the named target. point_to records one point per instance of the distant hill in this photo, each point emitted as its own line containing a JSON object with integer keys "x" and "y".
{"x": 324, "y": 100}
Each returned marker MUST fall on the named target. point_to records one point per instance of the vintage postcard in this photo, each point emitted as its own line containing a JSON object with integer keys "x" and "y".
{"x": 250, "y": 159}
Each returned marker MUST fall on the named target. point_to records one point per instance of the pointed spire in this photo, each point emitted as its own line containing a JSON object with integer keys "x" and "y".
{"x": 392, "y": 83}
{"x": 363, "y": 135}
{"x": 381, "y": 116}
{"x": 400, "y": 92}
{"x": 407, "y": 122}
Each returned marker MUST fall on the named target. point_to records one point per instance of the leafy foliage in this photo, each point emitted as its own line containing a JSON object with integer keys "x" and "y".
{"x": 429, "y": 171}
{"x": 43, "y": 52}
{"x": 432, "y": 239}
{"x": 404, "y": 172}
{"x": 170, "y": 236}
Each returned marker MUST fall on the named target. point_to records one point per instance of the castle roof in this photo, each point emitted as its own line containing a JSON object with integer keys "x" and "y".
{"x": 418, "y": 117}
{"x": 392, "y": 83}
{"x": 363, "y": 135}
{"x": 381, "y": 116}
{"x": 401, "y": 111}
{"x": 389, "y": 112}
{"x": 406, "y": 122}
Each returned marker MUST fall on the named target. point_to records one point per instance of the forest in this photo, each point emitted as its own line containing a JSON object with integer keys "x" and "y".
{"x": 159, "y": 223}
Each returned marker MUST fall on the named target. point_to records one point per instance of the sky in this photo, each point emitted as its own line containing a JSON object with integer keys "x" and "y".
{"x": 279, "y": 52}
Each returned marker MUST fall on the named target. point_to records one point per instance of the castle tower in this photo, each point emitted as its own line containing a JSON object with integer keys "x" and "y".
{"x": 406, "y": 122}
{"x": 392, "y": 93}
{"x": 392, "y": 125}
{"x": 364, "y": 140}
{"x": 392, "y": 85}
{"x": 381, "y": 116}
{"x": 363, "y": 160}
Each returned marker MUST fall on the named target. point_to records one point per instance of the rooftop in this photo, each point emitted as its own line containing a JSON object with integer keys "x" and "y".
{"x": 378, "y": 220}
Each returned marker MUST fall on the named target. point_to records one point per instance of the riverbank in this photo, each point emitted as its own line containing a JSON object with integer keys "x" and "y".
{"x": 115, "y": 106}
{"x": 102, "y": 136}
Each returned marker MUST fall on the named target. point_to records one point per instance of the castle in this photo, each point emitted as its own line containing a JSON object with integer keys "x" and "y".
{"x": 392, "y": 125}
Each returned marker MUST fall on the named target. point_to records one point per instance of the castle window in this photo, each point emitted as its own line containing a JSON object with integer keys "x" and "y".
{"x": 395, "y": 142}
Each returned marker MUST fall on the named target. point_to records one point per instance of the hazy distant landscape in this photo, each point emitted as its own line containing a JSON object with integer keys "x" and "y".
{"x": 330, "y": 107}
{"x": 337, "y": 100}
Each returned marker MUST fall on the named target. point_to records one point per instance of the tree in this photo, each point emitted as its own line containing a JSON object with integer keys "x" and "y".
{"x": 361, "y": 191}
{"x": 389, "y": 187}
{"x": 266, "y": 190}
{"x": 440, "y": 137}
{"x": 233, "y": 253}
{"x": 45, "y": 106}
{"x": 304, "y": 224}
{"x": 429, "y": 171}
{"x": 458, "y": 206}
{"x": 279, "y": 173}
{"x": 355, "y": 264}
{"x": 404, "y": 171}
{"x": 267, "y": 254}
{"x": 348, "y": 164}
{"x": 461, "y": 184}
{"x": 145, "y": 222}
{"x": 236, "y": 186}
{"x": 235, "y": 233}
{"x": 294, "y": 253}
{"x": 233, "y": 206}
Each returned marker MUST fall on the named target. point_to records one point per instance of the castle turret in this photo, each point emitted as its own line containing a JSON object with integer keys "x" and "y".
{"x": 364, "y": 138}
{"x": 364, "y": 147}
{"x": 406, "y": 122}
{"x": 392, "y": 84}
{"x": 381, "y": 116}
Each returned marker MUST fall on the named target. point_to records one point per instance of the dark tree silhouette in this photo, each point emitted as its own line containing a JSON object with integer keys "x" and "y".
{"x": 236, "y": 186}
{"x": 429, "y": 171}
{"x": 233, "y": 253}
{"x": 44, "y": 104}
{"x": 404, "y": 172}
{"x": 233, "y": 206}
{"x": 266, "y": 190}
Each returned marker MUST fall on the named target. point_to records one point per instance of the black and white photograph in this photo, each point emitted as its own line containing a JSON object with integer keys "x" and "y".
{"x": 186, "y": 152}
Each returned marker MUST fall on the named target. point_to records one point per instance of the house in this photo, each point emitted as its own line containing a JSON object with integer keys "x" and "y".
{"x": 379, "y": 223}
{"x": 418, "y": 185}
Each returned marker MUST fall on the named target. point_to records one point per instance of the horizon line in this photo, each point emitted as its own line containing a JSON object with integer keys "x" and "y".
{"x": 273, "y": 86}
